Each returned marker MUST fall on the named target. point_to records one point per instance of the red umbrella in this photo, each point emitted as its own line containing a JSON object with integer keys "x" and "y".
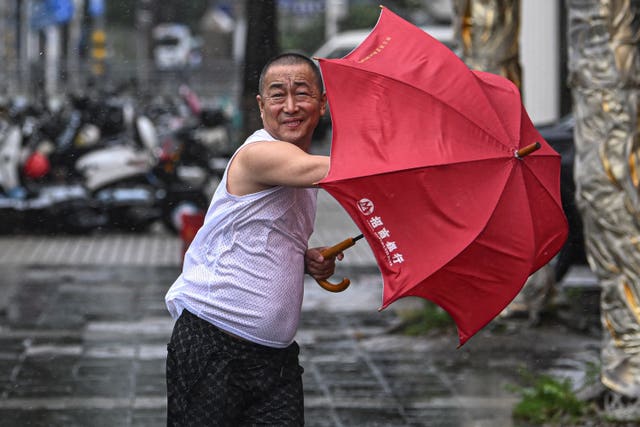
{"x": 428, "y": 159}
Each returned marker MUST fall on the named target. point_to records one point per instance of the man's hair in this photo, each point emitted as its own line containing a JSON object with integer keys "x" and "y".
{"x": 291, "y": 58}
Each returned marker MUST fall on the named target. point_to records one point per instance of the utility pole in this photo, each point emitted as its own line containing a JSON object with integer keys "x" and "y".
{"x": 26, "y": 47}
{"x": 4, "y": 18}
{"x": 144, "y": 19}
{"x": 52, "y": 59}
{"x": 98, "y": 45}
{"x": 73, "y": 46}
{"x": 8, "y": 45}
{"x": 52, "y": 17}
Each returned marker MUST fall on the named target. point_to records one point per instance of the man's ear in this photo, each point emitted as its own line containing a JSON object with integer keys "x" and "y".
{"x": 260, "y": 105}
{"x": 323, "y": 100}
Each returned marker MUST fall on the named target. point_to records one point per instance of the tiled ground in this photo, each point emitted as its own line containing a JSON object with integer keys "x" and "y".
{"x": 86, "y": 347}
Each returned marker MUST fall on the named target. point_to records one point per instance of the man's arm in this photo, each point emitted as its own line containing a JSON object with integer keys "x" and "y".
{"x": 262, "y": 165}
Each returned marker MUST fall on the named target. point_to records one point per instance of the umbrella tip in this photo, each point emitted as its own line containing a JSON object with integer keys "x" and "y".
{"x": 525, "y": 151}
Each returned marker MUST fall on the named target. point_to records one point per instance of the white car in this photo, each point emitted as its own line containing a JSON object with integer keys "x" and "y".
{"x": 172, "y": 46}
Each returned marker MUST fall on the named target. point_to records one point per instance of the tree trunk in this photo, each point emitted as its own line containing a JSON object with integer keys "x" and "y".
{"x": 604, "y": 75}
{"x": 489, "y": 34}
{"x": 261, "y": 46}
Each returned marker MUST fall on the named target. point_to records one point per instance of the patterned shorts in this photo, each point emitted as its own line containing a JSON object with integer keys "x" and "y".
{"x": 215, "y": 379}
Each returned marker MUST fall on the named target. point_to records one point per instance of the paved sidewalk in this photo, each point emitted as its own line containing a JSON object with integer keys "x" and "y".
{"x": 83, "y": 333}
{"x": 86, "y": 347}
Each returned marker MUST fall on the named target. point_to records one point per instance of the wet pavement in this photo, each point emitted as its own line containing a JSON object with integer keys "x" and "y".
{"x": 83, "y": 342}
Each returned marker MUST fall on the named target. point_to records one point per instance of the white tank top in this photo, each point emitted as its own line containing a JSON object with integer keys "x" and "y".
{"x": 244, "y": 271}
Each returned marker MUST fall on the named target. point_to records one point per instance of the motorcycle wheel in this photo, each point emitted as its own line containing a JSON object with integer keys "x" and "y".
{"x": 175, "y": 207}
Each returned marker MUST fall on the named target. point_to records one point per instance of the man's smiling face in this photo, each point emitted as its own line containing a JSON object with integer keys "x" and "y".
{"x": 291, "y": 103}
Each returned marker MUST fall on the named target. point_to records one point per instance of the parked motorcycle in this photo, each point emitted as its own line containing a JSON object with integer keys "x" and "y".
{"x": 202, "y": 149}
{"x": 91, "y": 166}
{"x": 128, "y": 184}
{"x": 51, "y": 207}
{"x": 196, "y": 152}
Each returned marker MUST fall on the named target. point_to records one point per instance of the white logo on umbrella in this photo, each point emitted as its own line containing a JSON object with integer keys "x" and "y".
{"x": 365, "y": 206}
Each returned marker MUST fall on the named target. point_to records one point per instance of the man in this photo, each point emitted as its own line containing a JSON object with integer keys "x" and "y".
{"x": 232, "y": 359}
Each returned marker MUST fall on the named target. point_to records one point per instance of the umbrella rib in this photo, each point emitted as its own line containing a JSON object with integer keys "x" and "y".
{"x": 540, "y": 182}
{"x": 451, "y": 163}
{"x": 513, "y": 171}
{"x": 458, "y": 112}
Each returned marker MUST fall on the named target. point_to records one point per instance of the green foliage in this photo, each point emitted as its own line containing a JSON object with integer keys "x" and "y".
{"x": 429, "y": 318}
{"x": 592, "y": 373}
{"x": 548, "y": 400}
{"x": 306, "y": 39}
{"x": 360, "y": 16}
{"x": 364, "y": 14}
{"x": 188, "y": 12}
{"x": 123, "y": 12}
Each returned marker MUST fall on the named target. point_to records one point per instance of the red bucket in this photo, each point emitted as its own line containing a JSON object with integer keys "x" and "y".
{"x": 191, "y": 223}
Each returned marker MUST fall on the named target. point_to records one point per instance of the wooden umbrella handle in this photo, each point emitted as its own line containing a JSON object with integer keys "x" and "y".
{"x": 331, "y": 252}
{"x": 525, "y": 151}
{"x": 334, "y": 287}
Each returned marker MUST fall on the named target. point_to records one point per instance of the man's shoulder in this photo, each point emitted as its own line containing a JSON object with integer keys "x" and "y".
{"x": 259, "y": 135}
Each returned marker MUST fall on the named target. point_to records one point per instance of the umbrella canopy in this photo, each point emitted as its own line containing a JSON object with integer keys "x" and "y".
{"x": 424, "y": 160}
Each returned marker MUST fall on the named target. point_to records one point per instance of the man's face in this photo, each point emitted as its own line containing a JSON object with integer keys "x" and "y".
{"x": 291, "y": 103}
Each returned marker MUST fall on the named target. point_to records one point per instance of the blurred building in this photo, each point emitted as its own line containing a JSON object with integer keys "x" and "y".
{"x": 217, "y": 29}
